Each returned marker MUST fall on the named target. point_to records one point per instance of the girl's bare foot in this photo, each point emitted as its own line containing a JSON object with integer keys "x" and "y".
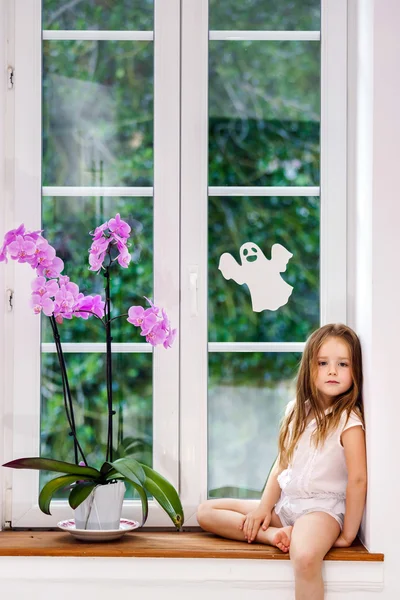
{"x": 281, "y": 538}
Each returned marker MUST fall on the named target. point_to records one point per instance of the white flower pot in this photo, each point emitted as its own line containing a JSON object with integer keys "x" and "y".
{"x": 102, "y": 508}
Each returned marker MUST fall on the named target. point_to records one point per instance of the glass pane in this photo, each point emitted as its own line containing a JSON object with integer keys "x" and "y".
{"x": 247, "y": 396}
{"x": 66, "y": 223}
{"x": 97, "y": 113}
{"x": 132, "y": 398}
{"x": 297, "y": 15}
{"x": 98, "y": 14}
{"x": 291, "y": 222}
{"x": 264, "y": 108}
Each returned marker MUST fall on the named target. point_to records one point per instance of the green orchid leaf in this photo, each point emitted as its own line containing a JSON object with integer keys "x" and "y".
{"x": 131, "y": 468}
{"x": 51, "y": 488}
{"x": 165, "y": 494}
{"x": 57, "y": 466}
{"x": 80, "y": 492}
{"x": 143, "y": 498}
{"x": 122, "y": 473}
{"x": 106, "y": 468}
{"x": 112, "y": 474}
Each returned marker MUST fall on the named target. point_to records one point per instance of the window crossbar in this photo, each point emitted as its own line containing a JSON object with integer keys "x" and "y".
{"x": 215, "y": 35}
{"x": 132, "y": 348}
{"x": 87, "y": 348}
{"x": 147, "y": 191}
{"x": 275, "y": 36}
{"x": 264, "y": 191}
{"x": 122, "y": 191}
{"x": 256, "y": 346}
{"x": 96, "y": 36}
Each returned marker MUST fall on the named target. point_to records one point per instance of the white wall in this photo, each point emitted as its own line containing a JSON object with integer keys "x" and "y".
{"x": 374, "y": 273}
{"x": 2, "y": 227}
{"x": 360, "y": 198}
{"x": 218, "y": 579}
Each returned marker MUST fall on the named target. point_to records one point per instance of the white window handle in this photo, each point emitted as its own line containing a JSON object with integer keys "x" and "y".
{"x": 193, "y": 275}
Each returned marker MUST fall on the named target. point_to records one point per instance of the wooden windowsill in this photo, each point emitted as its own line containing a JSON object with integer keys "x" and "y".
{"x": 156, "y": 544}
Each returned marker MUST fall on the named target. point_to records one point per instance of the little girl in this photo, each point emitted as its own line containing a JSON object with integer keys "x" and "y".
{"x": 315, "y": 494}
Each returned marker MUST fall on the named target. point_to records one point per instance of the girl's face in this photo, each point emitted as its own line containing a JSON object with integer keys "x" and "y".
{"x": 334, "y": 372}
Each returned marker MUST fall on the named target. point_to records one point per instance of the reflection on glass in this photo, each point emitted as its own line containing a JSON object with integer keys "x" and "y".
{"x": 264, "y": 112}
{"x": 291, "y": 222}
{"x": 97, "y": 113}
{"x": 265, "y": 14}
{"x": 98, "y": 14}
{"x": 132, "y": 395}
{"x": 66, "y": 223}
{"x": 247, "y": 396}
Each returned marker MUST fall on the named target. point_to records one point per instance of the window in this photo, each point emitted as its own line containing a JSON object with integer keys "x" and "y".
{"x": 251, "y": 358}
{"x": 101, "y": 143}
{"x": 143, "y": 111}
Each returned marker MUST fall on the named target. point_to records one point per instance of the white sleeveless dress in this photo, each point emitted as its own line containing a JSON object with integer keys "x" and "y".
{"x": 316, "y": 479}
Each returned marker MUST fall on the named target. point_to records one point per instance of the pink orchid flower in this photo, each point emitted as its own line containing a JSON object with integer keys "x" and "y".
{"x": 55, "y": 295}
{"x": 21, "y": 250}
{"x": 64, "y": 301}
{"x": 124, "y": 258}
{"x": 119, "y": 227}
{"x": 41, "y": 286}
{"x": 42, "y": 303}
{"x": 169, "y": 340}
{"x": 149, "y": 322}
{"x": 96, "y": 262}
{"x": 136, "y": 315}
{"x": 156, "y": 335}
{"x": 63, "y": 279}
{"x": 99, "y": 231}
{"x": 44, "y": 253}
{"x": 52, "y": 270}
{"x": 89, "y": 304}
{"x": 99, "y": 246}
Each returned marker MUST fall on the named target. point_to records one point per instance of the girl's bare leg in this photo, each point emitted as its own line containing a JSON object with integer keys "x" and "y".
{"x": 313, "y": 535}
{"x": 224, "y": 517}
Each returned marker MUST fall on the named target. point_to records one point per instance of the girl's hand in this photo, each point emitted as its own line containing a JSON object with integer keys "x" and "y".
{"x": 252, "y": 522}
{"x": 341, "y": 542}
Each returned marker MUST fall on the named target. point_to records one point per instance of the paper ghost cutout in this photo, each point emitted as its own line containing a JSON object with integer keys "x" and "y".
{"x": 267, "y": 288}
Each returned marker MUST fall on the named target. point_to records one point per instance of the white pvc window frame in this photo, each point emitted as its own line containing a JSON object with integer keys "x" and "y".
{"x": 195, "y": 192}
{"x": 181, "y": 140}
{"x": 25, "y": 20}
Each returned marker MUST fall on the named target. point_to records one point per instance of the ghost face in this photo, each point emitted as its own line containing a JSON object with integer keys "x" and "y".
{"x": 250, "y": 253}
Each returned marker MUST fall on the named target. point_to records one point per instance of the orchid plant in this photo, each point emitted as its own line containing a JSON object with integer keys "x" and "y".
{"x": 54, "y": 295}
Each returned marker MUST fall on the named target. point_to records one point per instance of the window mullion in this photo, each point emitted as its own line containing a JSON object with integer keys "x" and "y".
{"x": 194, "y": 182}
{"x": 166, "y": 235}
{"x": 333, "y": 271}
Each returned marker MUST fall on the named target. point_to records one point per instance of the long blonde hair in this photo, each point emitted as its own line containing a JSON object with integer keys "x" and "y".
{"x": 294, "y": 422}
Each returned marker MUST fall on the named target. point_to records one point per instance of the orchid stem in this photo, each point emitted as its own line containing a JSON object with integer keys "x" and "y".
{"x": 119, "y": 317}
{"x": 68, "y": 405}
{"x": 109, "y": 455}
{"x": 90, "y": 312}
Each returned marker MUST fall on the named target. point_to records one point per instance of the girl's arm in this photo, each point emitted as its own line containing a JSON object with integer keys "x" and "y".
{"x": 262, "y": 514}
{"x": 272, "y": 490}
{"x": 353, "y": 441}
